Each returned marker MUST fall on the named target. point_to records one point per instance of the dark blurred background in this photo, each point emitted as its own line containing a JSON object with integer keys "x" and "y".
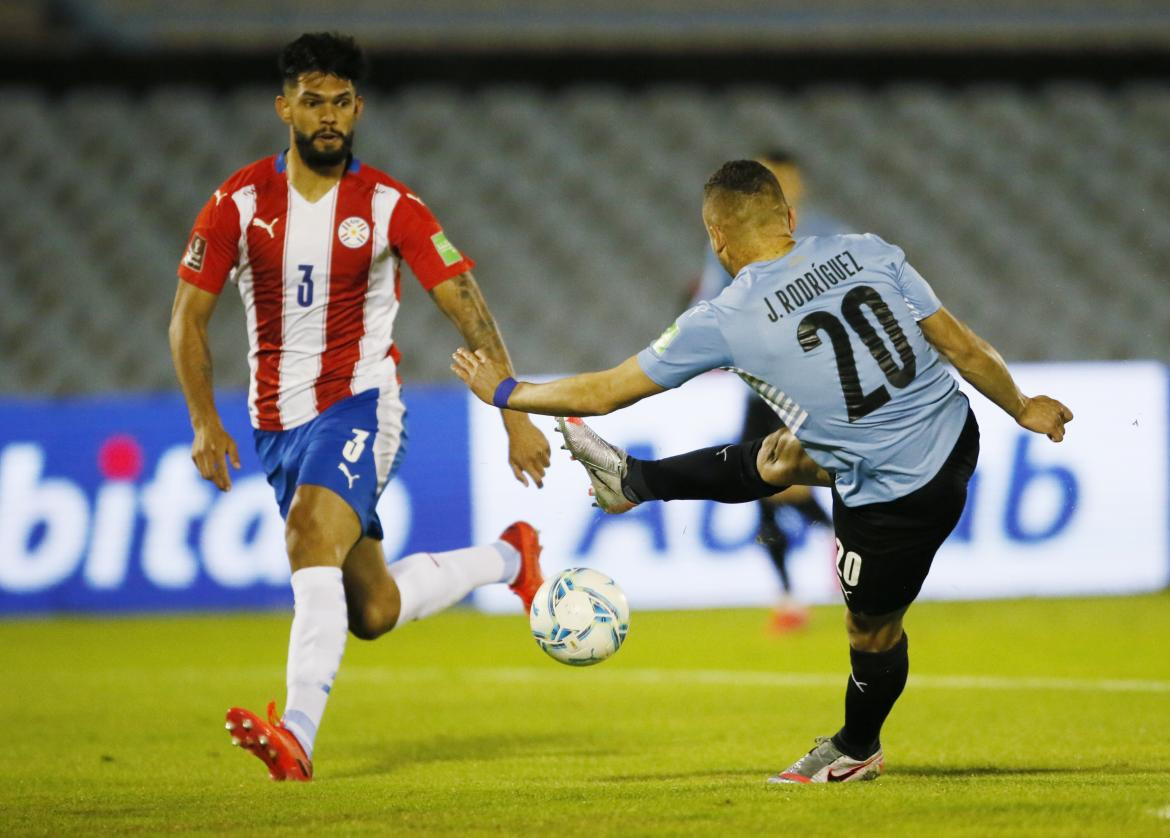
{"x": 1016, "y": 150}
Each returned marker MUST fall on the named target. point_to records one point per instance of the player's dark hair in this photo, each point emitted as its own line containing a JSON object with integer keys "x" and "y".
{"x": 745, "y": 177}
{"x": 322, "y": 52}
{"x": 780, "y": 157}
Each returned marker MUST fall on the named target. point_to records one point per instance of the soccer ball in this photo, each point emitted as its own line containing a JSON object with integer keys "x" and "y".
{"x": 580, "y": 616}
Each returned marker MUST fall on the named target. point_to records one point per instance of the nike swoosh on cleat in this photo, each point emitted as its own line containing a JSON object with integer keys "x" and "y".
{"x": 845, "y": 775}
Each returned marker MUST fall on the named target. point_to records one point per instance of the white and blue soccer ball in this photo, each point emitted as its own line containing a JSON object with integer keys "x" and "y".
{"x": 580, "y": 616}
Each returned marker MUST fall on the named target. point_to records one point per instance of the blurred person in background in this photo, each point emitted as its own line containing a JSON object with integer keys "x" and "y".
{"x": 314, "y": 239}
{"x": 795, "y": 507}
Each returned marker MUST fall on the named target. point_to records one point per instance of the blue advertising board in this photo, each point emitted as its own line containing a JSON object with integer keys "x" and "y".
{"x": 101, "y": 508}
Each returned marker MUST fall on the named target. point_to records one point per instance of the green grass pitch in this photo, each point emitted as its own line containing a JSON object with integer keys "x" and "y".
{"x": 1025, "y": 717}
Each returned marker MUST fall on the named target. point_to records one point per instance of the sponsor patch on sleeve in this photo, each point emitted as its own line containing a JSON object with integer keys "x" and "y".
{"x": 196, "y": 250}
{"x": 665, "y": 339}
{"x": 447, "y": 251}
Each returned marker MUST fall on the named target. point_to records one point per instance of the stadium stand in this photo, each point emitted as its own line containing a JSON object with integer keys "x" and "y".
{"x": 1038, "y": 213}
{"x": 246, "y": 25}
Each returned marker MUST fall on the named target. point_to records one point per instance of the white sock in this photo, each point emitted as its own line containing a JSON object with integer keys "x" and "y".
{"x": 430, "y": 582}
{"x": 316, "y": 643}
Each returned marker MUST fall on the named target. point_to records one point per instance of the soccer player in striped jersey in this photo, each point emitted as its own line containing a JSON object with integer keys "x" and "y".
{"x": 845, "y": 340}
{"x": 314, "y": 241}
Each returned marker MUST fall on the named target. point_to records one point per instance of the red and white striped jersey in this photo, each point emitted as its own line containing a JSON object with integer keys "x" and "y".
{"x": 319, "y": 281}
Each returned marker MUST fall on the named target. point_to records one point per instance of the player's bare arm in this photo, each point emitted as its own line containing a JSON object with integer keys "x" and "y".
{"x": 981, "y": 365}
{"x": 191, "y": 354}
{"x": 462, "y": 301}
{"x": 587, "y": 394}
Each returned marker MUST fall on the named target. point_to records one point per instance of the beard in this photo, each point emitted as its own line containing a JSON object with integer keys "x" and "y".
{"x": 315, "y": 158}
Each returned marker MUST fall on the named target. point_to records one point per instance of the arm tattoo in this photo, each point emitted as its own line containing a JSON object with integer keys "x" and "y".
{"x": 474, "y": 320}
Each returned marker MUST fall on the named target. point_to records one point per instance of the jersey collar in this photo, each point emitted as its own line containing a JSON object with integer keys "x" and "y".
{"x": 281, "y": 163}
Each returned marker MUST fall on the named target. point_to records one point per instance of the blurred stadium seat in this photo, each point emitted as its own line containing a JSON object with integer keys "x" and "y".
{"x": 581, "y": 207}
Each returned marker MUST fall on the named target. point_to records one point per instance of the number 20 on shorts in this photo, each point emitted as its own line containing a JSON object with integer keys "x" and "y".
{"x": 848, "y": 565}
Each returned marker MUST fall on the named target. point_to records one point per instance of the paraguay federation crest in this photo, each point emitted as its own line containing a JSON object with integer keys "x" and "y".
{"x": 353, "y": 232}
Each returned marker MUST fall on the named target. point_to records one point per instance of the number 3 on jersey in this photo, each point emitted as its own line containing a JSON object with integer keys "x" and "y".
{"x": 857, "y": 402}
{"x": 354, "y": 448}
{"x": 305, "y": 289}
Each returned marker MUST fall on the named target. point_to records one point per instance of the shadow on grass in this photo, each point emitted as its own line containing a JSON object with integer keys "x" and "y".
{"x": 708, "y": 774}
{"x": 984, "y": 770}
{"x": 374, "y": 758}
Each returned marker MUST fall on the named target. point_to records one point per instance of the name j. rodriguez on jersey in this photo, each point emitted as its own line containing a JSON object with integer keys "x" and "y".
{"x": 814, "y": 282}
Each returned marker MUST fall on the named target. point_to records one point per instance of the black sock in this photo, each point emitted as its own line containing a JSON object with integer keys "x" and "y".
{"x": 727, "y": 474}
{"x": 881, "y": 676}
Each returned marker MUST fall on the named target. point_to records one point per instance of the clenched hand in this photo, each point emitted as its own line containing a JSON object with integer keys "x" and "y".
{"x": 1046, "y": 416}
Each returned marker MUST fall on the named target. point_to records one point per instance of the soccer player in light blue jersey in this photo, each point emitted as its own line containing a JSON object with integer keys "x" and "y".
{"x": 842, "y": 337}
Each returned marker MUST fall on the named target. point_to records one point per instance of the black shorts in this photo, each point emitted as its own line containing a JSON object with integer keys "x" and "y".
{"x": 884, "y": 550}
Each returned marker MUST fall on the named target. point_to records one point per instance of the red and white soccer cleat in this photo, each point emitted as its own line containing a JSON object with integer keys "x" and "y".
{"x": 271, "y": 741}
{"x": 523, "y": 537}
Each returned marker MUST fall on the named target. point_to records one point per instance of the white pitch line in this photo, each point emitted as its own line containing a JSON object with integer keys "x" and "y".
{"x": 739, "y": 678}
{"x": 552, "y": 673}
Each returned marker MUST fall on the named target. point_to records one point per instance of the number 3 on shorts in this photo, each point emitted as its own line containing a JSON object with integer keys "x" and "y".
{"x": 354, "y": 448}
{"x": 848, "y": 565}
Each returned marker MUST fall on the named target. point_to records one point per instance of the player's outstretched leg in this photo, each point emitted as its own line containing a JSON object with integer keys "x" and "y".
{"x": 825, "y": 763}
{"x": 728, "y": 474}
{"x": 271, "y": 742}
{"x": 431, "y": 582}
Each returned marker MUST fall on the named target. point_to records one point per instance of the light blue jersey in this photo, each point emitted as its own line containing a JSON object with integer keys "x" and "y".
{"x": 828, "y": 335}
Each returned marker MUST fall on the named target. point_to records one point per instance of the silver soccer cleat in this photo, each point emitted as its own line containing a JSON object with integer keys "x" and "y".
{"x": 604, "y": 463}
{"x": 825, "y": 764}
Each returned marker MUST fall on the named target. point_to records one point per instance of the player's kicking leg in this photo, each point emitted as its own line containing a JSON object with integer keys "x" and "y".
{"x": 884, "y": 554}
{"x": 729, "y": 474}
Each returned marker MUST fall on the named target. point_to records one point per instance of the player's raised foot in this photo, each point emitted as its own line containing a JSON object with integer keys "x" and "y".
{"x": 826, "y": 764}
{"x": 271, "y": 741}
{"x": 523, "y": 537}
{"x": 604, "y": 463}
